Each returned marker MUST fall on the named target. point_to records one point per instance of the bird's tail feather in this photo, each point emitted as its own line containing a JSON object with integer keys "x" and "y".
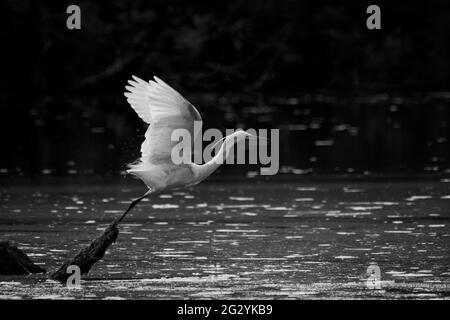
{"x": 134, "y": 166}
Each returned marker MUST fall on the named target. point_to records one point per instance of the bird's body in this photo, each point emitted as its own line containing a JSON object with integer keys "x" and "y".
{"x": 165, "y": 110}
{"x": 159, "y": 177}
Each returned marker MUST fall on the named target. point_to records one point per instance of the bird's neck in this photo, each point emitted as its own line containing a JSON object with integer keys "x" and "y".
{"x": 208, "y": 168}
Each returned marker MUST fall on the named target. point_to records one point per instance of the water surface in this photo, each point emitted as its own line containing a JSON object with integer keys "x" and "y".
{"x": 287, "y": 240}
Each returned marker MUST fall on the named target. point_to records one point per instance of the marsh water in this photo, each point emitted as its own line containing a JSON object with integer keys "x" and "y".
{"x": 289, "y": 239}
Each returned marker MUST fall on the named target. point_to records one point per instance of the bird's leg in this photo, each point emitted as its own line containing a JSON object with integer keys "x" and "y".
{"x": 132, "y": 204}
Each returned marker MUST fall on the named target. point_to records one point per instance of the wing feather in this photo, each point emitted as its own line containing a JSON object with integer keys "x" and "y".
{"x": 165, "y": 110}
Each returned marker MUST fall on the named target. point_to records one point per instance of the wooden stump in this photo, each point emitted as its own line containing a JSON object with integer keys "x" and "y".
{"x": 14, "y": 261}
{"x": 87, "y": 257}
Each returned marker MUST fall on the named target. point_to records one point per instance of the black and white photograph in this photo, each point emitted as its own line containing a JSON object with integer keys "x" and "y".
{"x": 232, "y": 151}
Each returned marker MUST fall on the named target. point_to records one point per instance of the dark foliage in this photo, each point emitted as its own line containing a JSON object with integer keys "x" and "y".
{"x": 297, "y": 62}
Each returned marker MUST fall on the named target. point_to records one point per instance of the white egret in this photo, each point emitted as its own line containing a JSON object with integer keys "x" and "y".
{"x": 166, "y": 110}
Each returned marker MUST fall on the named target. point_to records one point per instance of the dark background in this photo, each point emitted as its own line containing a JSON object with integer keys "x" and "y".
{"x": 346, "y": 99}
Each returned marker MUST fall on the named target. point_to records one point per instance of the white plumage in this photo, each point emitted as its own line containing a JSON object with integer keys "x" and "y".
{"x": 166, "y": 110}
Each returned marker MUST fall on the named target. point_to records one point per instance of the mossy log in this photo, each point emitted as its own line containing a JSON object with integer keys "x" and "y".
{"x": 87, "y": 257}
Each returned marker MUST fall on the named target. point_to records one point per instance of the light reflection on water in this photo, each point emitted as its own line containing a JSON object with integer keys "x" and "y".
{"x": 248, "y": 241}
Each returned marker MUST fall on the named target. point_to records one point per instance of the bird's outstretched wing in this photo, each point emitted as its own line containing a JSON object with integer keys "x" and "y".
{"x": 165, "y": 110}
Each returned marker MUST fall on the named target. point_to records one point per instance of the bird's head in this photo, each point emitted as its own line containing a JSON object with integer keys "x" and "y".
{"x": 241, "y": 135}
